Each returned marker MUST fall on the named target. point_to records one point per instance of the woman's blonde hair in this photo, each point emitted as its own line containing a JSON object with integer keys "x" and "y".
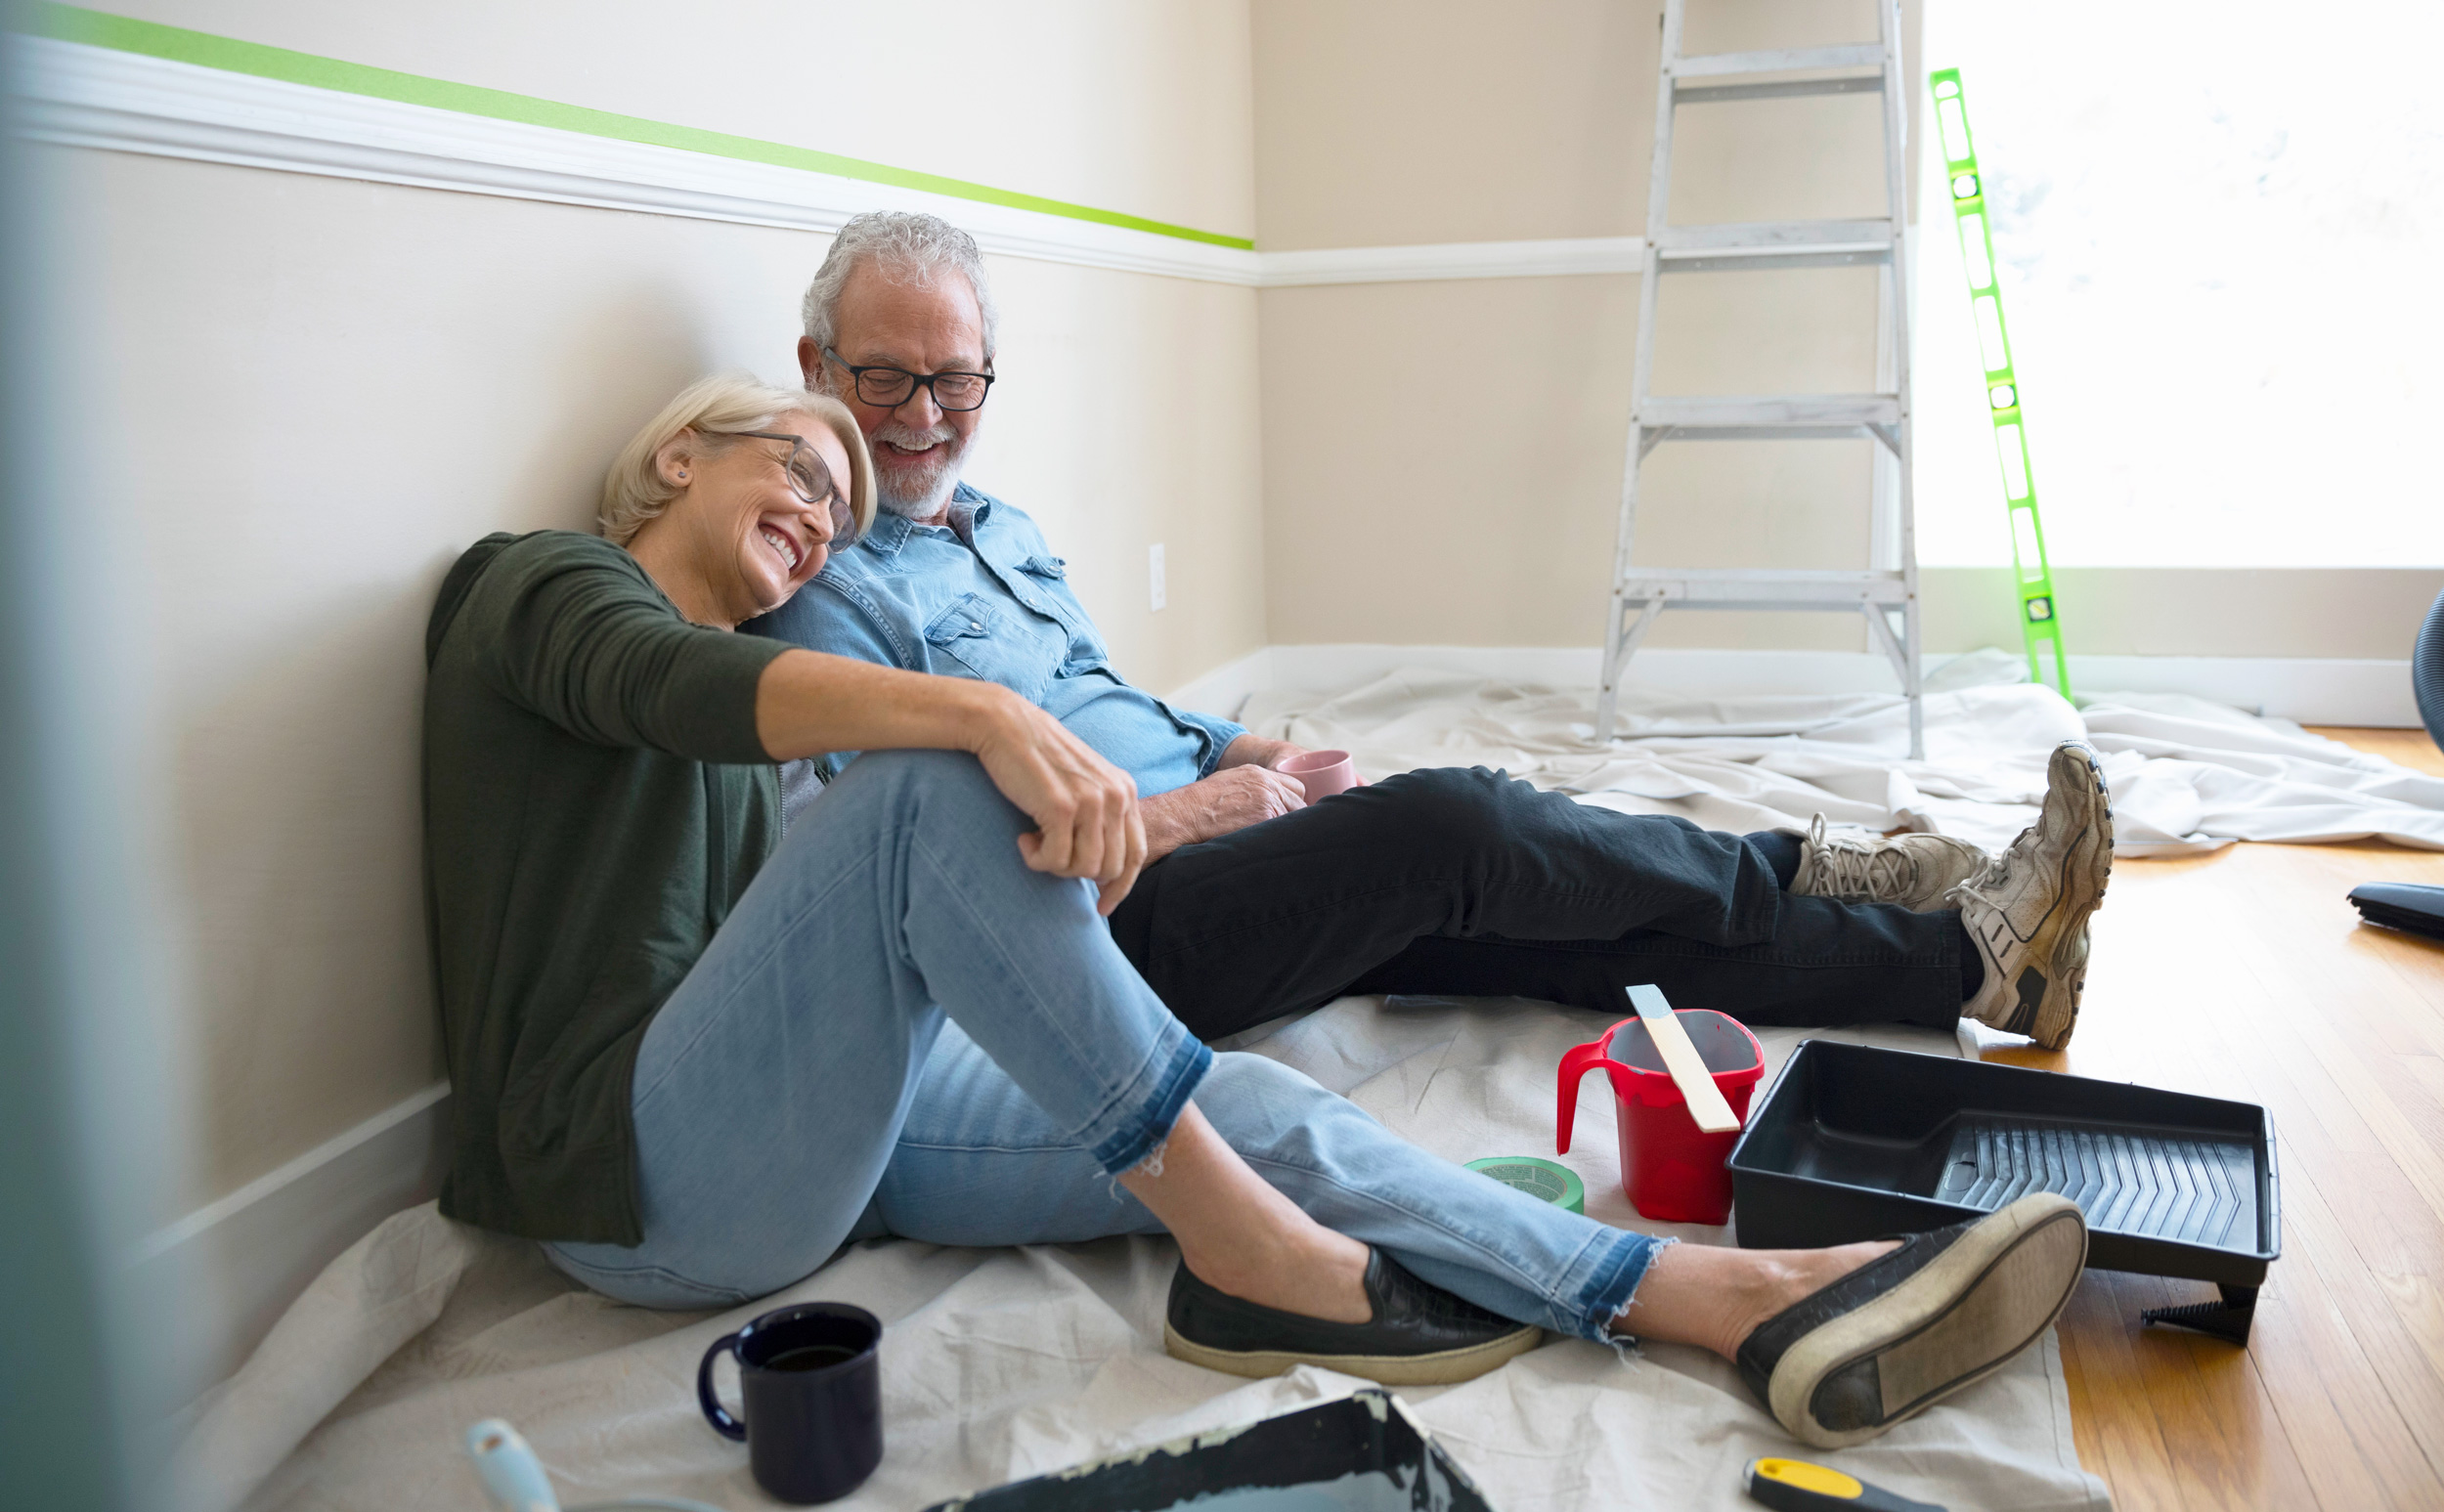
{"x": 716, "y": 410}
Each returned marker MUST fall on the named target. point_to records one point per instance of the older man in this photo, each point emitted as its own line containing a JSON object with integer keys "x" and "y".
{"x": 1447, "y": 881}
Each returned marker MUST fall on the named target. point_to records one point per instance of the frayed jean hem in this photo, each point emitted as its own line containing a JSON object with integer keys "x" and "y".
{"x": 1615, "y": 1287}
{"x": 1173, "y": 1079}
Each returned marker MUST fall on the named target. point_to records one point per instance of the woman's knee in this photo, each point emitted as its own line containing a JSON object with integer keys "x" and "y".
{"x": 893, "y": 770}
{"x": 917, "y": 787}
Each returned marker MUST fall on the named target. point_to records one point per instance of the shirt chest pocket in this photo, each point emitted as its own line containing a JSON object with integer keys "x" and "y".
{"x": 977, "y": 638}
{"x": 1050, "y": 577}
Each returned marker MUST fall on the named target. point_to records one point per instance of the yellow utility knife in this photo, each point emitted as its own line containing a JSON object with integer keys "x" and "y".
{"x": 1796, "y": 1485}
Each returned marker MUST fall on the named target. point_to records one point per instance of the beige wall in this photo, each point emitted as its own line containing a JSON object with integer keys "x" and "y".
{"x": 1463, "y": 487}
{"x": 2373, "y": 613}
{"x": 312, "y": 393}
{"x": 1383, "y": 122}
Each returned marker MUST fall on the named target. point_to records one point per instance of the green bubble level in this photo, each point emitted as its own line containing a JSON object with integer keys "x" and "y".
{"x": 2041, "y": 627}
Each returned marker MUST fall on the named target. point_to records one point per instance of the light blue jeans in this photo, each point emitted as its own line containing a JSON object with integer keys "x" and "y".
{"x": 902, "y": 1030}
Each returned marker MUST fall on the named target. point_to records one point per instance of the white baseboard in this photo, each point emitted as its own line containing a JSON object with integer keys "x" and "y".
{"x": 2311, "y": 690}
{"x": 224, "y": 1274}
{"x": 2371, "y": 692}
{"x": 1224, "y": 689}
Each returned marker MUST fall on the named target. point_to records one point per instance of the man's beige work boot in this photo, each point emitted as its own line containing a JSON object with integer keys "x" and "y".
{"x": 2029, "y": 912}
{"x": 1915, "y": 871}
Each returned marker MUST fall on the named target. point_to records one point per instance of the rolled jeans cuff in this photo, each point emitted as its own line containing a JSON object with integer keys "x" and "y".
{"x": 1139, "y": 1117}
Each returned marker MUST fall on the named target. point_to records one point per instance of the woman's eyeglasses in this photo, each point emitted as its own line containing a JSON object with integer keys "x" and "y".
{"x": 810, "y": 479}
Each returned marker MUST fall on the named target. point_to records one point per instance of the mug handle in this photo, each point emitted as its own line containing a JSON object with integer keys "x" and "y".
{"x": 715, "y": 1414}
{"x": 1576, "y": 1063}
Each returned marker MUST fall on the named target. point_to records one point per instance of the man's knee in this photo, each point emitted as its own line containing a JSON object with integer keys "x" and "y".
{"x": 1461, "y": 809}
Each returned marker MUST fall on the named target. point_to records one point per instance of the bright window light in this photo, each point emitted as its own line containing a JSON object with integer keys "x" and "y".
{"x": 2216, "y": 239}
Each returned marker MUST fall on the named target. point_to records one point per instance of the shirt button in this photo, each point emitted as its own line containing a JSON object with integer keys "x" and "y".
{"x": 974, "y": 624}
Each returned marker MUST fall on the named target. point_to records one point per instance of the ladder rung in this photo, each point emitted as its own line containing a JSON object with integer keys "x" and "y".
{"x": 1860, "y": 254}
{"x": 1749, "y": 246}
{"x": 1814, "y": 410}
{"x": 1779, "y": 89}
{"x": 1728, "y": 587}
{"x": 1760, "y": 236}
{"x": 1780, "y": 60}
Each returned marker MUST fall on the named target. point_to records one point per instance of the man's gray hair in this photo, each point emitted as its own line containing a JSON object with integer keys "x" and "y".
{"x": 911, "y": 248}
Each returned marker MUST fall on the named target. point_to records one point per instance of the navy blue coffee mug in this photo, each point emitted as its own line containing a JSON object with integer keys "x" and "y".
{"x": 810, "y": 1381}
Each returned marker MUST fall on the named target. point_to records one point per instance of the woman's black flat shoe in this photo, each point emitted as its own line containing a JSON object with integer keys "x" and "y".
{"x": 1421, "y": 1335}
{"x": 1905, "y": 1331}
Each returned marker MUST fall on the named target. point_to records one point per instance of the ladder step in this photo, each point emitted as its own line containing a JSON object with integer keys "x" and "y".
{"x": 1811, "y": 411}
{"x": 1730, "y": 587}
{"x": 1763, "y": 236}
{"x": 1752, "y": 246}
{"x": 1777, "y": 88}
{"x": 1780, "y": 60}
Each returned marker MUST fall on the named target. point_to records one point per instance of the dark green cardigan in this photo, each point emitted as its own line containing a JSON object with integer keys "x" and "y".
{"x": 595, "y": 800}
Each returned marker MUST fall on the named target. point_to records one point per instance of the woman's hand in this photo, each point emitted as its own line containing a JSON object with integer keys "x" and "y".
{"x": 1085, "y": 808}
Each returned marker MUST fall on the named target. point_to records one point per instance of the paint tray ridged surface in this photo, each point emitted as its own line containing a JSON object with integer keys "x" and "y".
{"x": 1853, "y": 1142}
{"x": 1362, "y": 1454}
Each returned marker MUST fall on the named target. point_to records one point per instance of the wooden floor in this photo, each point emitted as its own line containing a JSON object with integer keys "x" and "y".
{"x": 2246, "y": 975}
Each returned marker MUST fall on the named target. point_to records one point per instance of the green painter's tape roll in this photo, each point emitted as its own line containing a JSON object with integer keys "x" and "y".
{"x": 1543, "y": 1180}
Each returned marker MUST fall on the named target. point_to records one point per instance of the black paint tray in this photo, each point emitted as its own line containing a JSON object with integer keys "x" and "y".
{"x": 1362, "y": 1453}
{"x": 1853, "y": 1142}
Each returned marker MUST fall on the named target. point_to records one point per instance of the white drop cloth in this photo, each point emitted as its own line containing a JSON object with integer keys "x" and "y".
{"x": 2187, "y": 775}
{"x": 1002, "y": 1364}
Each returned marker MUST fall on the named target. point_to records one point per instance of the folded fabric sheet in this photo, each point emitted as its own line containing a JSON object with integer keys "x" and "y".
{"x": 1004, "y": 1363}
{"x": 2188, "y": 775}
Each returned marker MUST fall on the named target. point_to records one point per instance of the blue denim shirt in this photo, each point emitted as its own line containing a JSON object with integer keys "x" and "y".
{"x": 985, "y": 597}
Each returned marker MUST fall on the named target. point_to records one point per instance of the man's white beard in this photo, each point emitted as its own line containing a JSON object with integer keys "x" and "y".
{"x": 932, "y": 485}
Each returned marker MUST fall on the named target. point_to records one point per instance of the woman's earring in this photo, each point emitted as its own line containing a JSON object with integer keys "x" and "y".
{"x": 683, "y": 472}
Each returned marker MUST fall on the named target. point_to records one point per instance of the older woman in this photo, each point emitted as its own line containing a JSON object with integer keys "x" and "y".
{"x": 695, "y": 1055}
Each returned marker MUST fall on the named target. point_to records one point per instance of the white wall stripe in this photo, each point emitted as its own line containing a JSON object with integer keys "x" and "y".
{"x": 79, "y": 95}
{"x": 73, "y": 94}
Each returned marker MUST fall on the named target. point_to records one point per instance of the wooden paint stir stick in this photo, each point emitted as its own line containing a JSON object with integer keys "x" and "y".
{"x": 1681, "y": 1058}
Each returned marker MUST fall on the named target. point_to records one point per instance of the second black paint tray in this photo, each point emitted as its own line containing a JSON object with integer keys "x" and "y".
{"x": 1852, "y": 1142}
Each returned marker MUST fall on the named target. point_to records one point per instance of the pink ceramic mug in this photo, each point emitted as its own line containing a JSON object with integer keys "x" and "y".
{"x": 1321, "y": 773}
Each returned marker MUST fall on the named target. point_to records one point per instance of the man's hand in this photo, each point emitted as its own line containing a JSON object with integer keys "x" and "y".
{"x": 1085, "y": 808}
{"x": 1253, "y": 750}
{"x": 1227, "y": 800}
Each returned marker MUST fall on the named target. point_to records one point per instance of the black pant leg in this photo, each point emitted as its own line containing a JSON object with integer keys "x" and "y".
{"x": 1781, "y": 850}
{"x": 1287, "y": 914}
{"x": 1828, "y": 965}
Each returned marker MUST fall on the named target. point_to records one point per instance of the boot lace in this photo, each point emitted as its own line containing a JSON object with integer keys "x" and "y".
{"x": 1872, "y": 870}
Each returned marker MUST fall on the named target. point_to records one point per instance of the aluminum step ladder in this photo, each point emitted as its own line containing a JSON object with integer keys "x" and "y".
{"x": 1891, "y": 587}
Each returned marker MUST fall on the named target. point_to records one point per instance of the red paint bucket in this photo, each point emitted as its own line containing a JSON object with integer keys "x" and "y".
{"x": 1671, "y": 1170}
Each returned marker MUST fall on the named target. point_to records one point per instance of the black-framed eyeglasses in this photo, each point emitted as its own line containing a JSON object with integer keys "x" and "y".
{"x": 810, "y": 479}
{"x": 887, "y": 388}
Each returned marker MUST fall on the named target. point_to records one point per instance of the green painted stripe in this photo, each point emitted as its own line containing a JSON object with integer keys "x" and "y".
{"x": 120, "y": 33}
